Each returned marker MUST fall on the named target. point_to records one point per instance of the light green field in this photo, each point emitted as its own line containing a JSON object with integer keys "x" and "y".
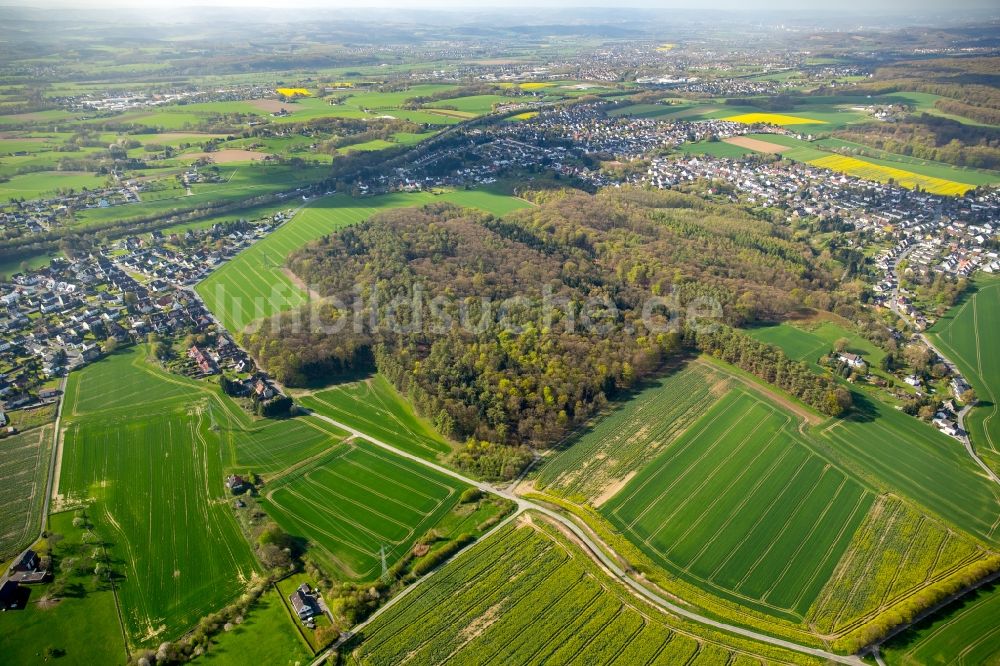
{"x": 357, "y": 500}
{"x": 892, "y": 450}
{"x": 267, "y": 633}
{"x": 374, "y": 407}
{"x": 964, "y": 634}
{"x": 910, "y": 458}
{"x": 268, "y": 446}
{"x": 893, "y": 554}
{"x": 24, "y": 466}
{"x": 382, "y": 100}
{"x": 34, "y": 185}
{"x": 528, "y": 596}
{"x": 151, "y": 467}
{"x": 740, "y": 506}
{"x": 476, "y": 104}
{"x": 253, "y": 286}
{"x": 716, "y": 149}
{"x": 967, "y": 334}
{"x": 89, "y": 603}
{"x": 588, "y": 466}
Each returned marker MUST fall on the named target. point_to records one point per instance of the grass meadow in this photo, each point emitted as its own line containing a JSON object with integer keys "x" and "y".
{"x": 83, "y": 623}
{"x": 268, "y": 633}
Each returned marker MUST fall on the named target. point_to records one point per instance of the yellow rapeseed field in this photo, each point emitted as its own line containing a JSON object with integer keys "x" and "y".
{"x": 882, "y": 174}
{"x": 773, "y": 119}
{"x": 527, "y": 115}
{"x": 528, "y": 85}
{"x": 294, "y": 92}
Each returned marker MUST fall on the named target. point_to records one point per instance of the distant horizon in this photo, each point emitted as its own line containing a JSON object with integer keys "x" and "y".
{"x": 792, "y": 7}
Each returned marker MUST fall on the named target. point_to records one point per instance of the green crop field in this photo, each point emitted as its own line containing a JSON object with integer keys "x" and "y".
{"x": 375, "y": 408}
{"x": 476, "y": 104}
{"x": 716, "y": 149}
{"x": 34, "y": 185}
{"x": 357, "y": 500}
{"x": 527, "y": 596}
{"x": 24, "y": 465}
{"x": 739, "y": 505}
{"x": 267, "y": 633}
{"x": 265, "y": 446}
{"x": 894, "y": 553}
{"x": 906, "y": 456}
{"x": 610, "y": 451}
{"x": 150, "y": 467}
{"x": 892, "y": 450}
{"x": 253, "y": 286}
{"x": 964, "y": 634}
{"x": 83, "y": 623}
{"x": 967, "y": 334}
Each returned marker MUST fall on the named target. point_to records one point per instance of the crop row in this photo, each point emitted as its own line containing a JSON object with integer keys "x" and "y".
{"x": 375, "y": 408}
{"x": 895, "y": 552}
{"x": 152, "y": 478}
{"x": 739, "y": 505}
{"x": 355, "y": 500}
{"x": 629, "y": 437}
{"x": 521, "y": 597}
{"x": 22, "y": 468}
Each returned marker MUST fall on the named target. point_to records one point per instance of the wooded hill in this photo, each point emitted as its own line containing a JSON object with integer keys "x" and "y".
{"x": 530, "y": 384}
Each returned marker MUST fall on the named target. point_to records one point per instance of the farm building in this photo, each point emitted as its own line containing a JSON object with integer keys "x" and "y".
{"x": 26, "y": 568}
{"x": 853, "y": 360}
{"x": 236, "y": 483}
{"x": 947, "y": 426}
{"x": 304, "y": 602}
{"x": 27, "y": 562}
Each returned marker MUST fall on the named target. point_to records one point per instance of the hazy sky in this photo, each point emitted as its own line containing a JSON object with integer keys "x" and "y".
{"x": 868, "y": 6}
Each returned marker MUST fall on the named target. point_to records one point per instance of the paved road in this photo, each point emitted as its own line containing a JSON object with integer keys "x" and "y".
{"x": 50, "y": 490}
{"x": 597, "y": 551}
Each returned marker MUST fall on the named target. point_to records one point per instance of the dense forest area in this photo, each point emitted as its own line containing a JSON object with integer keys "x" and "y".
{"x": 568, "y": 281}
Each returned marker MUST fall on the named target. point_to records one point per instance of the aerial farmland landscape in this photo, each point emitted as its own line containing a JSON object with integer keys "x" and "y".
{"x": 365, "y": 334}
